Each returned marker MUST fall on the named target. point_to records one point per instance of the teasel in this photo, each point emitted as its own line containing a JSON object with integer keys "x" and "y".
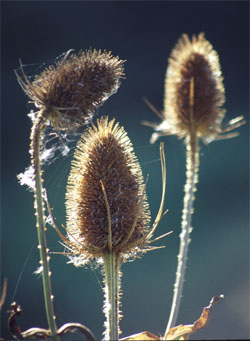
{"x": 67, "y": 96}
{"x": 108, "y": 217}
{"x": 193, "y": 109}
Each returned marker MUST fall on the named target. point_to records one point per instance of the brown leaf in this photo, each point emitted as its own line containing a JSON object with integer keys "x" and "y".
{"x": 143, "y": 336}
{"x": 182, "y": 332}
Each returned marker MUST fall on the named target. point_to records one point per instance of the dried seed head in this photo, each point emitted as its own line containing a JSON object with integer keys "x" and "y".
{"x": 194, "y": 89}
{"x": 105, "y": 195}
{"x": 194, "y": 92}
{"x": 72, "y": 90}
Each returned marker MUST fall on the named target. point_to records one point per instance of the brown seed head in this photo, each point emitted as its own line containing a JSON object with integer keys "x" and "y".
{"x": 194, "y": 89}
{"x": 194, "y": 92}
{"x": 75, "y": 87}
{"x": 105, "y": 165}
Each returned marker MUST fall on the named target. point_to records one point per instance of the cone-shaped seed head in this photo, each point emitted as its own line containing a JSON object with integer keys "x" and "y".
{"x": 75, "y": 87}
{"x": 194, "y": 92}
{"x": 105, "y": 155}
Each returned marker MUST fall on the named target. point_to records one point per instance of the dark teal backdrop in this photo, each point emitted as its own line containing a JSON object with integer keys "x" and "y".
{"x": 144, "y": 34}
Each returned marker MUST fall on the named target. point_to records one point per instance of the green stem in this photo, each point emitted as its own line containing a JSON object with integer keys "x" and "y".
{"x": 192, "y": 167}
{"x": 40, "y": 222}
{"x": 112, "y": 295}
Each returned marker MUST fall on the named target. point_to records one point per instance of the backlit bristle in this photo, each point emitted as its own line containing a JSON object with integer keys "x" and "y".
{"x": 72, "y": 90}
{"x": 105, "y": 164}
{"x": 194, "y": 93}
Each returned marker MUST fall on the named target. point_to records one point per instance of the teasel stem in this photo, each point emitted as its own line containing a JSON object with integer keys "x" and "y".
{"x": 112, "y": 273}
{"x": 192, "y": 168}
{"x": 36, "y": 132}
{"x": 112, "y": 295}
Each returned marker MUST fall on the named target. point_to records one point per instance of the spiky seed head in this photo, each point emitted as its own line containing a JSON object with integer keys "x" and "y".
{"x": 105, "y": 156}
{"x": 73, "y": 88}
{"x": 194, "y": 92}
{"x": 194, "y": 61}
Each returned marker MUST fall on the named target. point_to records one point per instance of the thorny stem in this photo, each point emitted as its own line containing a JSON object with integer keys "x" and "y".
{"x": 112, "y": 295}
{"x": 36, "y": 131}
{"x": 192, "y": 166}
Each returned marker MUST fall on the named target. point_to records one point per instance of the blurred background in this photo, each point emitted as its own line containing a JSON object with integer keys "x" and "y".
{"x": 143, "y": 33}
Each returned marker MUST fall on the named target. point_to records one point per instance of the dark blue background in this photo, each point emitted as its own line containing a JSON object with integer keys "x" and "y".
{"x": 144, "y": 34}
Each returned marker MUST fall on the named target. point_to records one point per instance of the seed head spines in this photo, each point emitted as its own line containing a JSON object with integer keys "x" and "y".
{"x": 194, "y": 64}
{"x": 71, "y": 90}
{"x": 105, "y": 165}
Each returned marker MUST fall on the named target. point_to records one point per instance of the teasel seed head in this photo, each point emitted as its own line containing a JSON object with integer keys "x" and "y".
{"x": 194, "y": 93}
{"x": 106, "y": 203}
{"x": 70, "y": 91}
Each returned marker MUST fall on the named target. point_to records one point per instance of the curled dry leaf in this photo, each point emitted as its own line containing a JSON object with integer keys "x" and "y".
{"x": 41, "y": 333}
{"x": 141, "y": 336}
{"x": 181, "y": 332}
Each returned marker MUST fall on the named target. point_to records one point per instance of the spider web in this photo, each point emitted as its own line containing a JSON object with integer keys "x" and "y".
{"x": 34, "y": 69}
{"x": 55, "y": 144}
{"x": 57, "y": 149}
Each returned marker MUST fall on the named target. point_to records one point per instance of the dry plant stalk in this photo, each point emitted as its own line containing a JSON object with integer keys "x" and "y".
{"x": 4, "y": 293}
{"x": 67, "y": 96}
{"x": 108, "y": 217}
{"x": 193, "y": 109}
{"x": 107, "y": 210}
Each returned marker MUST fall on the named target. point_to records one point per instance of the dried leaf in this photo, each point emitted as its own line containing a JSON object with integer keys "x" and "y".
{"x": 143, "y": 336}
{"x": 182, "y": 332}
